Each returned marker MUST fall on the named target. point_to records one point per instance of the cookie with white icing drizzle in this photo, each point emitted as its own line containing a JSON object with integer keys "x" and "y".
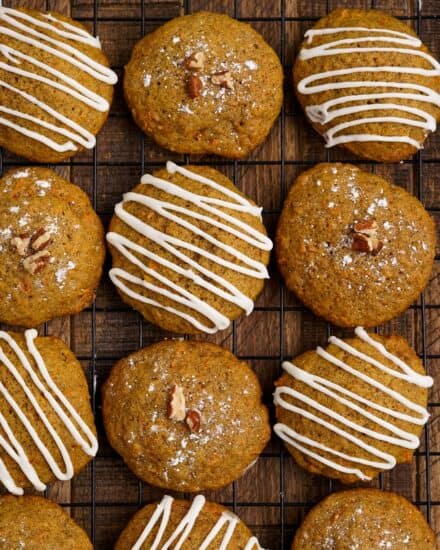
{"x": 367, "y": 82}
{"x": 35, "y": 523}
{"x": 55, "y": 85}
{"x": 354, "y": 409}
{"x": 189, "y": 250}
{"x": 364, "y": 519}
{"x": 356, "y": 249}
{"x": 48, "y": 430}
{"x": 186, "y": 525}
{"x": 205, "y": 83}
{"x": 51, "y": 247}
{"x": 185, "y": 415}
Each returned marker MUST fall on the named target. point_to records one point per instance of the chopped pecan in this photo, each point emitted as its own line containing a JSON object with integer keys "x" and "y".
{"x": 361, "y": 243}
{"x": 194, "y": 86}
{"x": 194, "y": 420}
{"x": 223, "y": 79}
{"x": 40, "y": 240}
{"x": 176, "y": 405}
{"x": 364, "y": 243}
{"x": 36, "y": 262}
{"x": 377, "y": 246}
{"x": 195, "y": 62}
{"x": 366, "y": 227}
{"x": 21, "y": 244}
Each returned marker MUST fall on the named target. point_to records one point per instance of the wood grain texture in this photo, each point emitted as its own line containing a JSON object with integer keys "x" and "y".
{"x": 279, "y": 327}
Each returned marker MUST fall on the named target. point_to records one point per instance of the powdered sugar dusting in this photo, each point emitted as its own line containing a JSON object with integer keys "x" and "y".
{"x": 61, "y": 273}
{"x": 252, "y": 65}
{"x": 147, "y": 80}
{"x": 184, "y": 108}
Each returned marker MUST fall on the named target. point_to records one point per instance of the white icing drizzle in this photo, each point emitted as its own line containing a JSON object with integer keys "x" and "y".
{"x": 227, "y": 522}
{"x": 198, "y": 274}
{"x": 45, "y": 388}
{"x": 333, "y": 109}
{"x": 354, "y": 402}
{"x": 23, "y": 32}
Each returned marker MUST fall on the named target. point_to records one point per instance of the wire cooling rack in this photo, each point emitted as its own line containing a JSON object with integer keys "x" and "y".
{"x": 275, "y": 497}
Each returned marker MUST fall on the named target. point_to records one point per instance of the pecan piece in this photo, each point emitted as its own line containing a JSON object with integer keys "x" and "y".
{"x": 176, "y": 405}
{"x": 365, "y": 237}
{"x": 21, "y": 244}
{"x": 195, "y": 62}
{"x": 194, "y": 420}
{"x": 366, "y": 227}
{"x": 377, "y": 246}
{"x": 35, "y": 263}
{"x": 40, "y": 240}
{"x": 363, "y": 243}
{"x": 223, "y": 79}
{"x": 194, "y": 86}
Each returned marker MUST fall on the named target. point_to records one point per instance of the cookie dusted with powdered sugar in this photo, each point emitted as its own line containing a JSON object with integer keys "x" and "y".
{"x": 55, "y": 85}
{"x": 186, "y": 525}
{"x": 51, "y": 247}
{"x": 366, "y": 81}
{"x": 354, "y": 409}
{"x": 185, "y": 415}
{"x": 48, "y": 430}
{"x": 189, "y": 250}
{"x": 364, "y": 519}
{"x": 205, "y": 83}
{"x": 34, "y": 523}
{"x": 356, "y": 249}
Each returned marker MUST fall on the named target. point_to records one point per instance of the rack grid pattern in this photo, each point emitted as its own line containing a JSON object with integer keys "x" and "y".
{"x": 92, "y": 359}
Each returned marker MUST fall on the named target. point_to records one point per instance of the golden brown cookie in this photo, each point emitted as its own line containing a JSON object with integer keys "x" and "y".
{"x": 45, "y": 407}
{"x": 366, "y": 81}
{"x": 35, "y": 523}
{"x": 356, "y": 249}
{"x": 210, "y": 524}
{"x": 51, "y": 244}
{"x": 364, "y": 519}
{"x": 189, "y": 250}
{"x": 205, "y": 83}
{"x": 185, "y": 415}
{"x": 56, "y": 87}
{"x": 355, "y": 409}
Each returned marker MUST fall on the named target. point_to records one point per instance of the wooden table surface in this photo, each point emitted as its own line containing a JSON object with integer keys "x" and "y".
{"x": 273, "y": 496}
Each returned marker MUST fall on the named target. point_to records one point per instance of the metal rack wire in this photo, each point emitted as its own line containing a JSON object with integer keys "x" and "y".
{"x": 417, "y": 164}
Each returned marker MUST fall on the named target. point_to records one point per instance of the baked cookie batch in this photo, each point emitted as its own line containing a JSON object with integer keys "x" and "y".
{"x": 190, "y": 253}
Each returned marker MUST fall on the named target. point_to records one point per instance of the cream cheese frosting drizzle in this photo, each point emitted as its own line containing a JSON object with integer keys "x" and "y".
{"x": 199, "y": 275}
{"x": 37, "y": 33}
{"x": 43, "y": 387}
{"x": 333, "y": 109}
{"x": 390, "y": 432}
{"x": 226, "y": 523}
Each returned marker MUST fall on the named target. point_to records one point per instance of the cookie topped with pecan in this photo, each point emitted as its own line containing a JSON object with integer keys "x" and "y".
{"x": 353, "y": 247}
{"x": 51, "y": 247}
{"x": 205, "y": 83}
{"x": 185, "y": 415}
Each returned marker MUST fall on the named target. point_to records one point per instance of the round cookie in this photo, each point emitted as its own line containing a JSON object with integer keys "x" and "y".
{"x": 364, "y": 519}
{"x": 52, "y": 247}
{"x": 45, "y": 409}
{"x": 189, "y": 250}
{"x": 211, "y": 524}
{"x": 185, "y": 415}
{"x": 355, "y": 409}
{"x": 354, "y": 248}
{"x": 205, "y": 83}
{"x": 56, "y": 85}
{"x": 366, "y": 81}
{"x": 34, "y": 523}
